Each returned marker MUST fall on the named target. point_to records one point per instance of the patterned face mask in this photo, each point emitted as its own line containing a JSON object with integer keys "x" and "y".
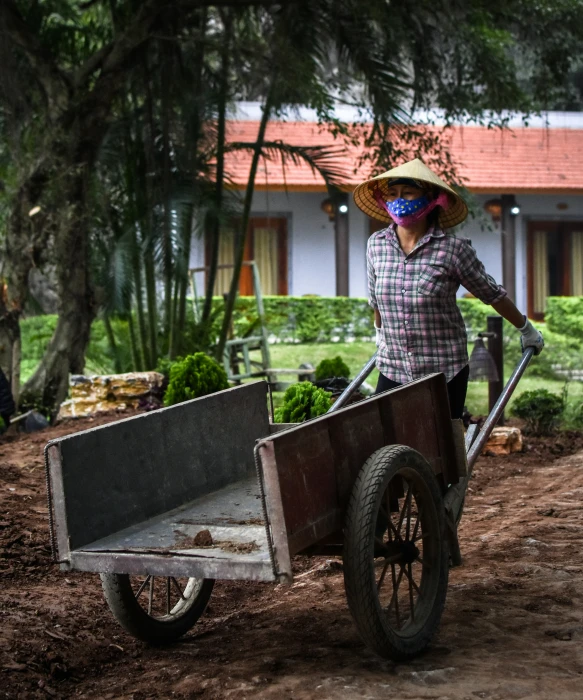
{"x": 402, "y": 208}
{"x": 405, "y": 212}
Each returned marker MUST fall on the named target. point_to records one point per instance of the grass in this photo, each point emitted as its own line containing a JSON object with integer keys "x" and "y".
{"x": 36, "y": 332}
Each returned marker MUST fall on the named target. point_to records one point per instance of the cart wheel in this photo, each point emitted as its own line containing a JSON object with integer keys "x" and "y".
{"x": 156, "y": 609}
{"x": 395, "y": 553}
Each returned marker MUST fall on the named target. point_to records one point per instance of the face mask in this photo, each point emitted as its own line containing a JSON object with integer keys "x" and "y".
{"x": 405, "y": 212}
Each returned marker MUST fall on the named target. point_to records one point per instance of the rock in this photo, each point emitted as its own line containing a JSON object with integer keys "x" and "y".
{"x": 114, "y": 392}
{"x": 34, "y": 422}
{"x": 503, "y": 441}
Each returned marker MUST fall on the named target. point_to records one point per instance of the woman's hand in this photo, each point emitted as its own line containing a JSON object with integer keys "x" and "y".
{"x": 531, "y": 338}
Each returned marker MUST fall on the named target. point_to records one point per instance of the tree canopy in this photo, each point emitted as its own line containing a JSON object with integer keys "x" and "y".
{"x": 113, "y": 133}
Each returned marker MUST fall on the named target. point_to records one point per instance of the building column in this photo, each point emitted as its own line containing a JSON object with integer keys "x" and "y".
{"x": 341, "y": 243}
{"x": 508, "y": 226}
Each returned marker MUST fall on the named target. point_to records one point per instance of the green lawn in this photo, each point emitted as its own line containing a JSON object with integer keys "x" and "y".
{"x": 356, "y": 355}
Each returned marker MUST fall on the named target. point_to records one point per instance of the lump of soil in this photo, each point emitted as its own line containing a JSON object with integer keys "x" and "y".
{"x": 238, "y": 547}
{"x": 203, "y": 539}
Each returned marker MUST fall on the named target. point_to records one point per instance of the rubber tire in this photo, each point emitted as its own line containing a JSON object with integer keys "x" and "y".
{"x": 134, "y": 619}
{"x": 359, "y": 573}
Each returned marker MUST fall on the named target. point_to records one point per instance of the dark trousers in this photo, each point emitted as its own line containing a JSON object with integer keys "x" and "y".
{"x": 456, "y": 390}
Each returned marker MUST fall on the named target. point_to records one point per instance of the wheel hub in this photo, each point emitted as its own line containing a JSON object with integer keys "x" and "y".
{"x": 409, "y": 551}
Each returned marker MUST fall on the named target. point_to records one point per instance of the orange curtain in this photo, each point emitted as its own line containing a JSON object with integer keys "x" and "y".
{"x": 577, "y": 263}
{"x": 540, "y": 271}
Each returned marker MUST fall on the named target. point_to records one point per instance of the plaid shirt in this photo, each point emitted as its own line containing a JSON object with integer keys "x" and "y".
{"x": 423, "y": 329}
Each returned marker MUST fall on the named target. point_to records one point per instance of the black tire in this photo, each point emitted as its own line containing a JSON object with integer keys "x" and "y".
{"x": 395, "y": 487}
{"x": 162, "y": 621}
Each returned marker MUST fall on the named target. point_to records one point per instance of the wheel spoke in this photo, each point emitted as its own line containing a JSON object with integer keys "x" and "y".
{"x": 168, "y": 596}
{"x": 408, "y": 528}
{"x": 151, "y": 595}
{"x": 411, "y": 602}
{"x": 175, "y": 582}
{"x": 409, "y": 575}
{"x": 423, "y": 563}
{"x": 416, "y": 528}
{"x": 395, "y": 597}
{"x": 389, "y": 519}
{"x": 382, "y": 577}
{"x": 403, "y": 512}
{"x": 144, "y": 584}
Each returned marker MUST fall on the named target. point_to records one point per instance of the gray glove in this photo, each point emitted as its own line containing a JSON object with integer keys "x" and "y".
{"x": 530, "y": 337}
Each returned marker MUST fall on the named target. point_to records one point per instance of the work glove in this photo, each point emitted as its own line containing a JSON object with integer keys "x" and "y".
{"x": 530, "y": 337}
{"x": 379, "y": 334}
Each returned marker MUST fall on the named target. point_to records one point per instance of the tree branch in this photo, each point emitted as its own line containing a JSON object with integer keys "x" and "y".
{"x": 53, "y": 81}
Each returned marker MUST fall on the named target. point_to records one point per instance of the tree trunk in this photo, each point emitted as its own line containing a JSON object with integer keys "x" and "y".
{"x": 48, "y": 386}
{"x": 23, "y": 249}
{"x": 240, "y": 249}
{"x": 218, "y": 201}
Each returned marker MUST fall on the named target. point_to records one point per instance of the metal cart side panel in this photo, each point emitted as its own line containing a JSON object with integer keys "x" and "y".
{"x": 131, "y": 496}
{"x": 317, "y": 462}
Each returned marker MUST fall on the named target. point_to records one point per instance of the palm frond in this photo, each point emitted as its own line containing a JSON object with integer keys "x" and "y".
{"x": 323, "y": 160}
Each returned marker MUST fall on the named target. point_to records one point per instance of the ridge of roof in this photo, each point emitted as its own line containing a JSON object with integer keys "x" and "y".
{"x": 252, "y": 111}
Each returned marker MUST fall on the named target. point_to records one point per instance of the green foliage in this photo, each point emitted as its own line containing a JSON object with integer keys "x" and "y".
{"x": 103, "y": 358}
{"x": 335, "y": 367}
{"x": 541, "y": 410}
{"x": 564, "y": 315}
{"x": 304, "y": 319}
{"x": 35, "y": 333}
{"x": 194, "y": 376}
{"x": 2, "y": 425}
{"x": 563, "y": 351}
{"x": 165, "y": 365}
{"x": 301, "y": 402}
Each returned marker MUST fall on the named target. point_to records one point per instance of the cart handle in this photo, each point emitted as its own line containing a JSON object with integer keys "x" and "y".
{"x": 454, "y": 498}
{"x": 499, "y": 406}
{"x": 342, "y": 400}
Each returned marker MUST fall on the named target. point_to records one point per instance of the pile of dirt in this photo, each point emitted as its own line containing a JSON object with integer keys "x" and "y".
{"x": 512, "y": 628}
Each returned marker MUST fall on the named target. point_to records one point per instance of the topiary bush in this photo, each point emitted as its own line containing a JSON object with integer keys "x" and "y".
{"x": 194, "y": 376}
{"x": 335, "y": 367}
{"x": 301, "y": 402}
{"x": 541, "y": 410}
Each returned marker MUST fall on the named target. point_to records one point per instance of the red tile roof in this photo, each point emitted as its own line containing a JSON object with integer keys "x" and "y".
{"x": 521, "y": 160}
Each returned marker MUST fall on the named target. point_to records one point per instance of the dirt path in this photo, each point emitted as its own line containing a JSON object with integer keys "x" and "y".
{"x": 512, "y": 628}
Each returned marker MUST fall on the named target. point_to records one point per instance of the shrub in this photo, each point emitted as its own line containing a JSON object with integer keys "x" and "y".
{"x": 194, "y": 376}
{"x": 564, "y": 315}
{"x": 335, "y": 367}
{"x": 304, "y": 319}
{"x": 301, "y": 402}
{"x": 541, "y": 410}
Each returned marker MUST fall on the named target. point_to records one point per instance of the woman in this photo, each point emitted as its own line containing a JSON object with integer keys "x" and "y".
{"x": 415, "y": 267}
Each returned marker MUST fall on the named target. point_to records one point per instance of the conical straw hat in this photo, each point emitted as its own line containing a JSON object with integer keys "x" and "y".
{"x": 415, "y": 170}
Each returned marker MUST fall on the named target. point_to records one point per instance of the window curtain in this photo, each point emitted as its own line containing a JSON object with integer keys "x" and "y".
{"x": 577, "y": 263}
{"x": 540, "y": 271}
{"x": 265, "y": 254}
{"x": 226, "y": 257}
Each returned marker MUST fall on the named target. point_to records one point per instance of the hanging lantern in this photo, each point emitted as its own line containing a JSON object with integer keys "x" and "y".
{"x": 482, "y": 365}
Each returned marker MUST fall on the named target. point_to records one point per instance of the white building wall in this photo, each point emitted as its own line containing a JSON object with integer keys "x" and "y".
{"x": 311, "y": 254}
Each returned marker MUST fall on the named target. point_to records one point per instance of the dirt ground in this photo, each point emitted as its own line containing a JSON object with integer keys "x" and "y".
{"x": 512, "y": 627}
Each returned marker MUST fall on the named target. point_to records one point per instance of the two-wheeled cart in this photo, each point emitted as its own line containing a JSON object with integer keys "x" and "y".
{"x": 165, "y": 503}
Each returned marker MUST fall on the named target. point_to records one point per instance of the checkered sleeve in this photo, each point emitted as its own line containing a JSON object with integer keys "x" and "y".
{"x": 371, "y": 275}
{"x": 473, "y": 276}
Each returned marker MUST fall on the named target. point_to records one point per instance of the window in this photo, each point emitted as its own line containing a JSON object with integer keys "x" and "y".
{"x": 266, "y": 244}
{"x": 555, "y": 263}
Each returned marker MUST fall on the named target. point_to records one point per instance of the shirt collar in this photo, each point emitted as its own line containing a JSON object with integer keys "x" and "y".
{"x": 391, "y": 232}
